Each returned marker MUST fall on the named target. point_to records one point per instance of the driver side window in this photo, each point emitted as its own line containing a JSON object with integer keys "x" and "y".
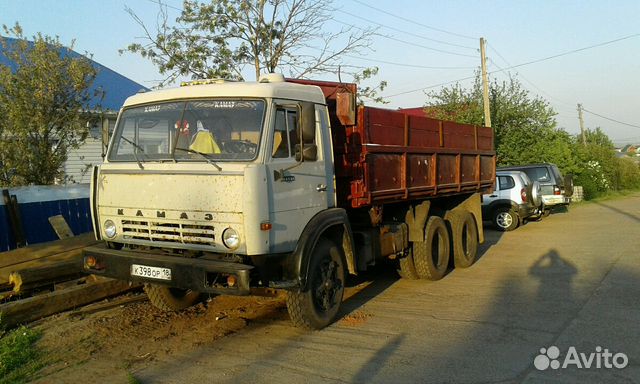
{"x": 285, "y": 133}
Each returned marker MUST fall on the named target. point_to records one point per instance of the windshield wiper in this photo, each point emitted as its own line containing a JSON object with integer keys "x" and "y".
{"x": 204, "y": 155}
{"x": 134, "y": 152}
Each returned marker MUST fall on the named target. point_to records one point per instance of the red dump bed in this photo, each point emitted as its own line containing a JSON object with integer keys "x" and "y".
{"x": 390, "y": 156}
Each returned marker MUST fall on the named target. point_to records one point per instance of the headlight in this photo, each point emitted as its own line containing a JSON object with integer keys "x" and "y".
{"x": 230, "y": 238}
{"x": 110, "y": 229}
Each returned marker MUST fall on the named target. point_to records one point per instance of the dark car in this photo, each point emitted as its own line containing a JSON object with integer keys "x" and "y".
{"x": 556, "y": 190}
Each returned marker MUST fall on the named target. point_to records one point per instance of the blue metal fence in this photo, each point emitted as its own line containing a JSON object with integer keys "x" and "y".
{"x": 38, "y": 203}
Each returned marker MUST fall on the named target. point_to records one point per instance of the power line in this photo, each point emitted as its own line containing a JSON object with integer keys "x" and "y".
{"x": 611, "y": 119}
{"x": 403, "y": 64}
{"x": 429, "y": 87}
{"x": 573, "y": 51}
{"x": 406, "y": 32}
{"x": 530, "y": 62}
{"x": 406, "y": 42}
{"x": 374, "y": 60}
{"x": 387, "y": 13}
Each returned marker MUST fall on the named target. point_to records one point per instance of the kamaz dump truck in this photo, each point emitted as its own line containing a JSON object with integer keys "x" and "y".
{"x": 237, "y": 188}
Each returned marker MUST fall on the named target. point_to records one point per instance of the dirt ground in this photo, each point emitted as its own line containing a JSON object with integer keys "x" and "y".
{"x": 126, "y": 332}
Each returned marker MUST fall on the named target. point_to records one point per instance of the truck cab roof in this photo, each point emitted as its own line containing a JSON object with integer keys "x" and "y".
{"x": 278, "y": 89}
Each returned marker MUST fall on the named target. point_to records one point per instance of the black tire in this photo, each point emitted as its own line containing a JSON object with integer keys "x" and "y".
{"x": 464, "y": 238}
{"x": 505, "y": 219}
{"x": 170, "y": 298}
{"x": 431, "y": 256}
{"x": 407, "y": 268}
{"x": 318, "y": 305}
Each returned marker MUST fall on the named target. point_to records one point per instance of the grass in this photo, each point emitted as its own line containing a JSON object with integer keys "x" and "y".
{"x": 19, "y": 357}
{"x": 611, "y": 195}
{"x": 132, "y": 379}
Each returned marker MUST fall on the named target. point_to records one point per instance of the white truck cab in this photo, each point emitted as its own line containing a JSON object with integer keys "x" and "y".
{"x": 164, "y": 185}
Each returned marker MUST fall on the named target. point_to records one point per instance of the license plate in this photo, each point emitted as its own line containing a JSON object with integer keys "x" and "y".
{"x": 150, "y": 272}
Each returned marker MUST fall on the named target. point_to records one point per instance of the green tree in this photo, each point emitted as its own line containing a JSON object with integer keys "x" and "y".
{"x": 524, "y": 125}
{"x": 221, "y": 38}
{"x": 44, "y": 100}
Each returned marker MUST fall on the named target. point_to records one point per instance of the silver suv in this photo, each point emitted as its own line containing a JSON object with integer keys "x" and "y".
{"x": 556, "y": 190}
{"x": 514, "y": 199}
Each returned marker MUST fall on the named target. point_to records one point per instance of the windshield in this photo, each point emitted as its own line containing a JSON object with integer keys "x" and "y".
{"x": 219, "y": 129}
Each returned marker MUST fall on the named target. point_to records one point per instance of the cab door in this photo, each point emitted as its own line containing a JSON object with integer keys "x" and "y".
{"x": 299, "y": 189}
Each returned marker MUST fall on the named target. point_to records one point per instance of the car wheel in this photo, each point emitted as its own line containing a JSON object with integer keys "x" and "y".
{"x": 505, "y": 219}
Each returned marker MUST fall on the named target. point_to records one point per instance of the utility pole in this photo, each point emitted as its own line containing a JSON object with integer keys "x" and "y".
{"x": 485, "y": 85}
{"x": 584, "y": 138}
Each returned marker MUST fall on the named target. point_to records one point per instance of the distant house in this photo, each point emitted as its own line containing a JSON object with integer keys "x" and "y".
{"x": 114, "y": 88}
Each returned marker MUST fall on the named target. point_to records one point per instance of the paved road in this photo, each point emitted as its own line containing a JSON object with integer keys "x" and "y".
{"x": 570, "y": 280}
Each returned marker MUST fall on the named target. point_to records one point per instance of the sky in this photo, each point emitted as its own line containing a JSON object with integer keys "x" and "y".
{"x": 420, "y": 45}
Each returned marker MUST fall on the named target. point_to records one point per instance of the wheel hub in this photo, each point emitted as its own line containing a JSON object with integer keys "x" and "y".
{"x": 504, "y": 220}
{"x": 328, "y": 286}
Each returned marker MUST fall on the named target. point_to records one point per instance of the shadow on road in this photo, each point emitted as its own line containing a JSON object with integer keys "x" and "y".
{"x": 618, "y": 210}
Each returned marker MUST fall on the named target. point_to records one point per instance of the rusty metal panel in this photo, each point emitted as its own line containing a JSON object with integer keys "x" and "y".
{"x": 468, "y": 168}
{"x": 459, "y": 136}
{"x": 423, "y": 132}
{"x": 487, "y": 168}
{"x": 485, "y": 138}
{"x": 384, "y": 127}
{"x": 346, "y": 108}
{"x": 419, "y": 170}
{"x": 447, "y": 169}
{"x": 385, "y": 172}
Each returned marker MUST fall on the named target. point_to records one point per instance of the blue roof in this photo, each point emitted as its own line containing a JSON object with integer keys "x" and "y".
{"x": 115, "y": 86}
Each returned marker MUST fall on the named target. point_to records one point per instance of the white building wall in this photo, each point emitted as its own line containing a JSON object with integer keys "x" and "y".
{"x": 79, "y": 162}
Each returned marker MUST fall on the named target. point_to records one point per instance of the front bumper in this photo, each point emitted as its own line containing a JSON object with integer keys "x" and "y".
{"x": 202, "y": 275}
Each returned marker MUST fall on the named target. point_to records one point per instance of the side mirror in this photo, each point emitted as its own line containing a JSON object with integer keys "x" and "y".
{"x": 308, "y": 123}
{"x": 310, "y": 152}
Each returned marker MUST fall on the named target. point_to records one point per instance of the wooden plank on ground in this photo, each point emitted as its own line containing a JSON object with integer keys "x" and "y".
{"x": 60, "y": 226}
{"x": 73, "y": 255}
{"x": 39, "y": 251}
{"x": 37, "y": 307}
{"x": 32, "y": 278}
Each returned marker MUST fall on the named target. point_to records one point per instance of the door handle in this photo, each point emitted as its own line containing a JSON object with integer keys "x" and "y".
{"x": 493, "y": 195}
{"x": 321, "y": 188}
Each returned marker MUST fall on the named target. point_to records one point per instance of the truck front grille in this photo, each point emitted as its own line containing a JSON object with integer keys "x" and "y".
{"x": 163, "y": 232}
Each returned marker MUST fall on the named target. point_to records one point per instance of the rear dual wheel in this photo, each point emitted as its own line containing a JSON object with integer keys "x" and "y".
{"x": 431, "y": 256}
{"x": 464, "y": 238}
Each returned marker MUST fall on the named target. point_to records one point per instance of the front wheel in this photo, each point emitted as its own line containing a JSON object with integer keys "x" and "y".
{"x": 317, "y": 306}
{"x": 170, "y": 298}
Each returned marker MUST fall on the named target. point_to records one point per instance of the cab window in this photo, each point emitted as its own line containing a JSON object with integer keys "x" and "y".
{"x": 285, "y": 133}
